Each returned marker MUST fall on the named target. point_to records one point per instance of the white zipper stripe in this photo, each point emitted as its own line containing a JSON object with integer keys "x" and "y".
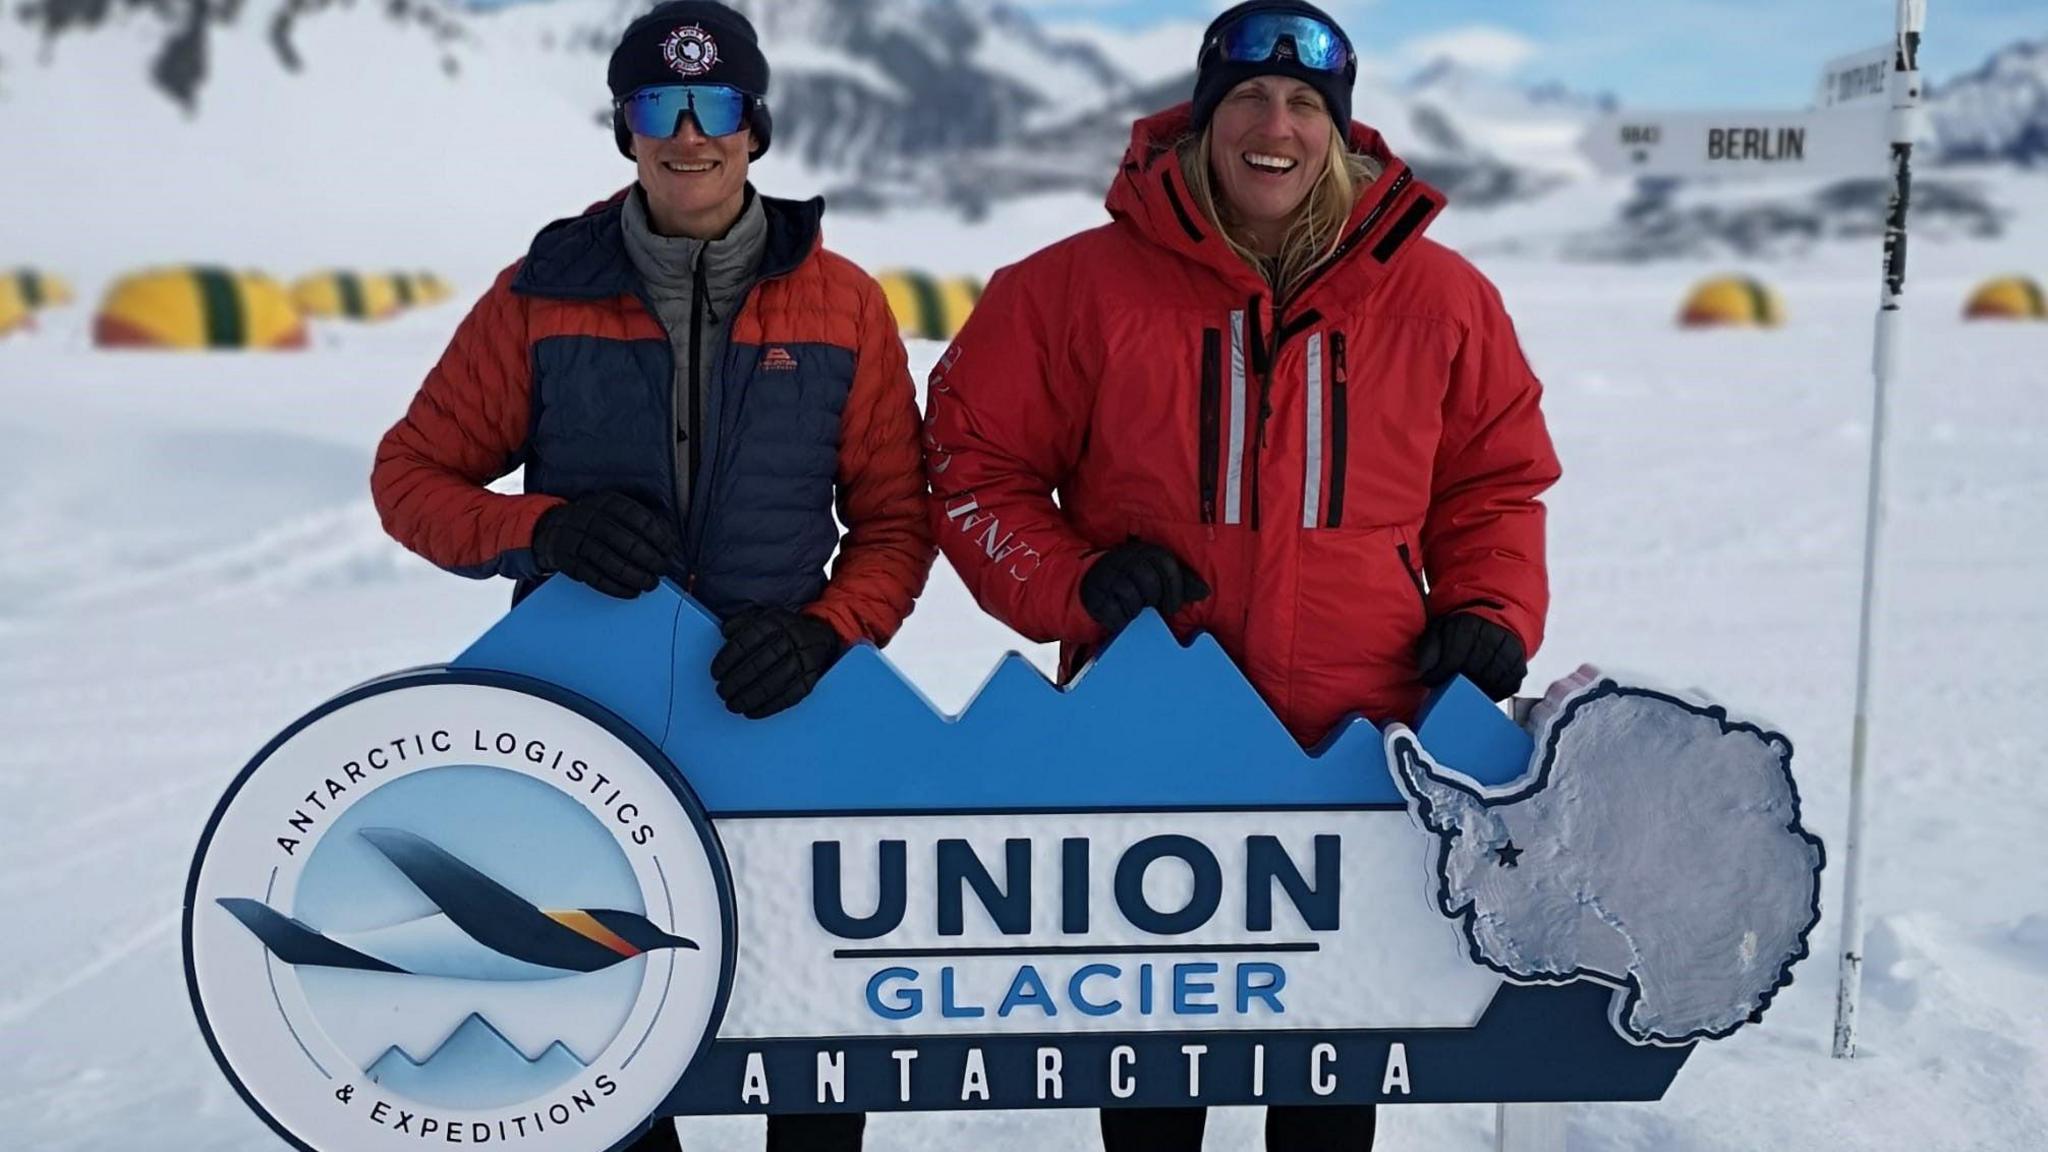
{"x": 1233, "y": 484}
{"x": 1312, "y": 476}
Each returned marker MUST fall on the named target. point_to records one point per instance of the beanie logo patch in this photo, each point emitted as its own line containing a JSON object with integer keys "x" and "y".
{"x": 690, "y": 50}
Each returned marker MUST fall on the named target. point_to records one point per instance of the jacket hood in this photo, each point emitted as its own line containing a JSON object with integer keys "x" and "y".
{"x": 1150, "y": 196}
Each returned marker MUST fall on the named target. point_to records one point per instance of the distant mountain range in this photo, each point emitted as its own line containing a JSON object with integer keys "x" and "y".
{"x": 1997, "y": 113}
{"x": 890, "y": 103}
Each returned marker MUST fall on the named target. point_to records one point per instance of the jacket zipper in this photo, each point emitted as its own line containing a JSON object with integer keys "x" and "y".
{"x": 696, "y": 393}
{"x": 695, "y": 539}
{"x": 695, "y": 547}
{"x": 689, "y": 575}
{"x": 1340, "y": 430}
{"x": 1359, "y": 233}
{"x": 1264, "y": 358}
{"x": 1414, "y": 575}
{"x": 1210, "y": 418}
{"x": 1262, "y": 363}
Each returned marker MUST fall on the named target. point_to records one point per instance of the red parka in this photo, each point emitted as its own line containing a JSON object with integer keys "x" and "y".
{"x": 1340, "y": 466}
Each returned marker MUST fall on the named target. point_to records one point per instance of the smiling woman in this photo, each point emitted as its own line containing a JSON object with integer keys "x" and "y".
{"x": 1274, "y": 171}
{"x": 1260, "y": 402}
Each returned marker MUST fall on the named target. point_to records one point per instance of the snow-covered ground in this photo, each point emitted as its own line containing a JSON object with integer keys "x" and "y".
{"x": 190, "y": 561}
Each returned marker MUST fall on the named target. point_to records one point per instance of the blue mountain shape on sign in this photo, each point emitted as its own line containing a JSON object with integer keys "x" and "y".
{"x": 1180, "y": 724}
{"x": 475, "y": 1067}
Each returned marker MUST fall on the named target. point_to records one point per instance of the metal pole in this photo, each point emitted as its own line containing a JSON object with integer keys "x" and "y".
{"x": 1905, "y": 93}
{"x": 1530, "y": 1127}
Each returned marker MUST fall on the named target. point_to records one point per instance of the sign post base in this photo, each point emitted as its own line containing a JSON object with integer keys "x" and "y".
{"x": 1529, "y": 1127}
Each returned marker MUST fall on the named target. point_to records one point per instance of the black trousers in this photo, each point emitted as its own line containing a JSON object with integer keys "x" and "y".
{"x": 1335, "y": 1128}
{"x": 805, "y": 1132}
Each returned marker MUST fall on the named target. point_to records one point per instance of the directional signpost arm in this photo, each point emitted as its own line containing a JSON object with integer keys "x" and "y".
{"x": 1905, "y": 92}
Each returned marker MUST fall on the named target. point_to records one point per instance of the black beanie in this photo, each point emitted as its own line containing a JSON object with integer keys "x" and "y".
{"x": 1215, "y": 76}
{"x": 690, "y": 42}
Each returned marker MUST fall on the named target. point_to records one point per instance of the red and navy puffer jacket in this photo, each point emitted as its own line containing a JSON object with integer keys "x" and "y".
{"x": 1340, "y": 466}
{"x": 564, "y": 368}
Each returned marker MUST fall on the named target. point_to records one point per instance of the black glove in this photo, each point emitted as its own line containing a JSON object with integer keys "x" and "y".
{"x": 1130, "y": 578}
{"x": 607, "y": 540}
{"x": 772, "y": 658}
{"x": 1483, "y": 652}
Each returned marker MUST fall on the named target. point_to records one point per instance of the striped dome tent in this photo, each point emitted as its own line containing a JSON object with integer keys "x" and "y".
{"x": 39, "y": 289}
{"x": 2007, "y": 298}
{"x": 404, "y": 289}
{"x": 1732, "y": 302}
{"x": 14, "y": 309}
{"x": 198, "y": 307}
{"x": 929, "y": 309}
{"x": 420, "y": 288}
{"x": 342, "y": 295}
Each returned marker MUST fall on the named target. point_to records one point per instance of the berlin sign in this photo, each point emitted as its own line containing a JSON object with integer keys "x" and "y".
{"x": 536, "y": 896}
{"x": 1843, "y": 141}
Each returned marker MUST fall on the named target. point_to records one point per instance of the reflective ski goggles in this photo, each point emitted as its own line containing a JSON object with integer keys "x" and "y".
{"x": 1259, "y": 37}
{"x": 658, "y": 110}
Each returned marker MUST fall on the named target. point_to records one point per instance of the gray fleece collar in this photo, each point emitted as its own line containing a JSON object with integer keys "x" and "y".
{"x": 668, "y": 265}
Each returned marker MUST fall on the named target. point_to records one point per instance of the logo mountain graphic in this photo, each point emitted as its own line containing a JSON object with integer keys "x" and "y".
{"x": 475, "y": 1067}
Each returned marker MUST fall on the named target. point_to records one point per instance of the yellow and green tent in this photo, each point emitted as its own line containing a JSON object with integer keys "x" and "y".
{"x": 342, "y": 295}
{"x": 1732, "y": 302}
{"x": 927, "y": 308}
{"x": 418, "y": 288}
{"x": 39, "y": 289}
{"x": 14, "y": 309}
{"x": 198, "y": 307}
{"x": 404, "y": 289}
{"x": 2007, "y": 298}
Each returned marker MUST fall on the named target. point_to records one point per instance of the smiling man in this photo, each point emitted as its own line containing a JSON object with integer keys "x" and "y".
{"x": 693, "y": 385}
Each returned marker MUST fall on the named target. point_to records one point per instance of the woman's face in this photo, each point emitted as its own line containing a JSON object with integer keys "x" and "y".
{"x": 1269, "y": 141}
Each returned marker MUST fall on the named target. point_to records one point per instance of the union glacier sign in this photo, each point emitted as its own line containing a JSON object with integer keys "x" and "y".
{"x": 552, "y": 889}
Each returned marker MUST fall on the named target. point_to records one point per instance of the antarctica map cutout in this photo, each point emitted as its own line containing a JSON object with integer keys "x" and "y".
{"x": 534, "y": 897}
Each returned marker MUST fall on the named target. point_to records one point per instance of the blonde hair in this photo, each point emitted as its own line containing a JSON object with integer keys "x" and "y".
{"x": 1318, "y": 224}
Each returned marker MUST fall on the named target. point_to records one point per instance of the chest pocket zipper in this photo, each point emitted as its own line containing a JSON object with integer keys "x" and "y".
{"x": 1210, "y": 420}
{"x": 1340, "y": 430}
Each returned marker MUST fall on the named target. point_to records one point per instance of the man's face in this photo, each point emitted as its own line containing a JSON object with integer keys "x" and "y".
{"x": 691, "y": 177}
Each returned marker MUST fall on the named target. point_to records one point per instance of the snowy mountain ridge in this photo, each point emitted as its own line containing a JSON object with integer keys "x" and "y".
{"x": 881, "y": 102}
{"x": 1998, "y": 112}
{"x": 261, "y": 134}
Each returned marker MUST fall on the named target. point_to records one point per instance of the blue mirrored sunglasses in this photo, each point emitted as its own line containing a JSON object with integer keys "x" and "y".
{"x": 1261, "y": 36}
{"x": 657, "y": 111}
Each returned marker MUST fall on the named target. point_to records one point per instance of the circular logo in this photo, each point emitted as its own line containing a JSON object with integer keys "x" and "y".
{"x": 458, "y": 906}
{"x": 690, "y": 50}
